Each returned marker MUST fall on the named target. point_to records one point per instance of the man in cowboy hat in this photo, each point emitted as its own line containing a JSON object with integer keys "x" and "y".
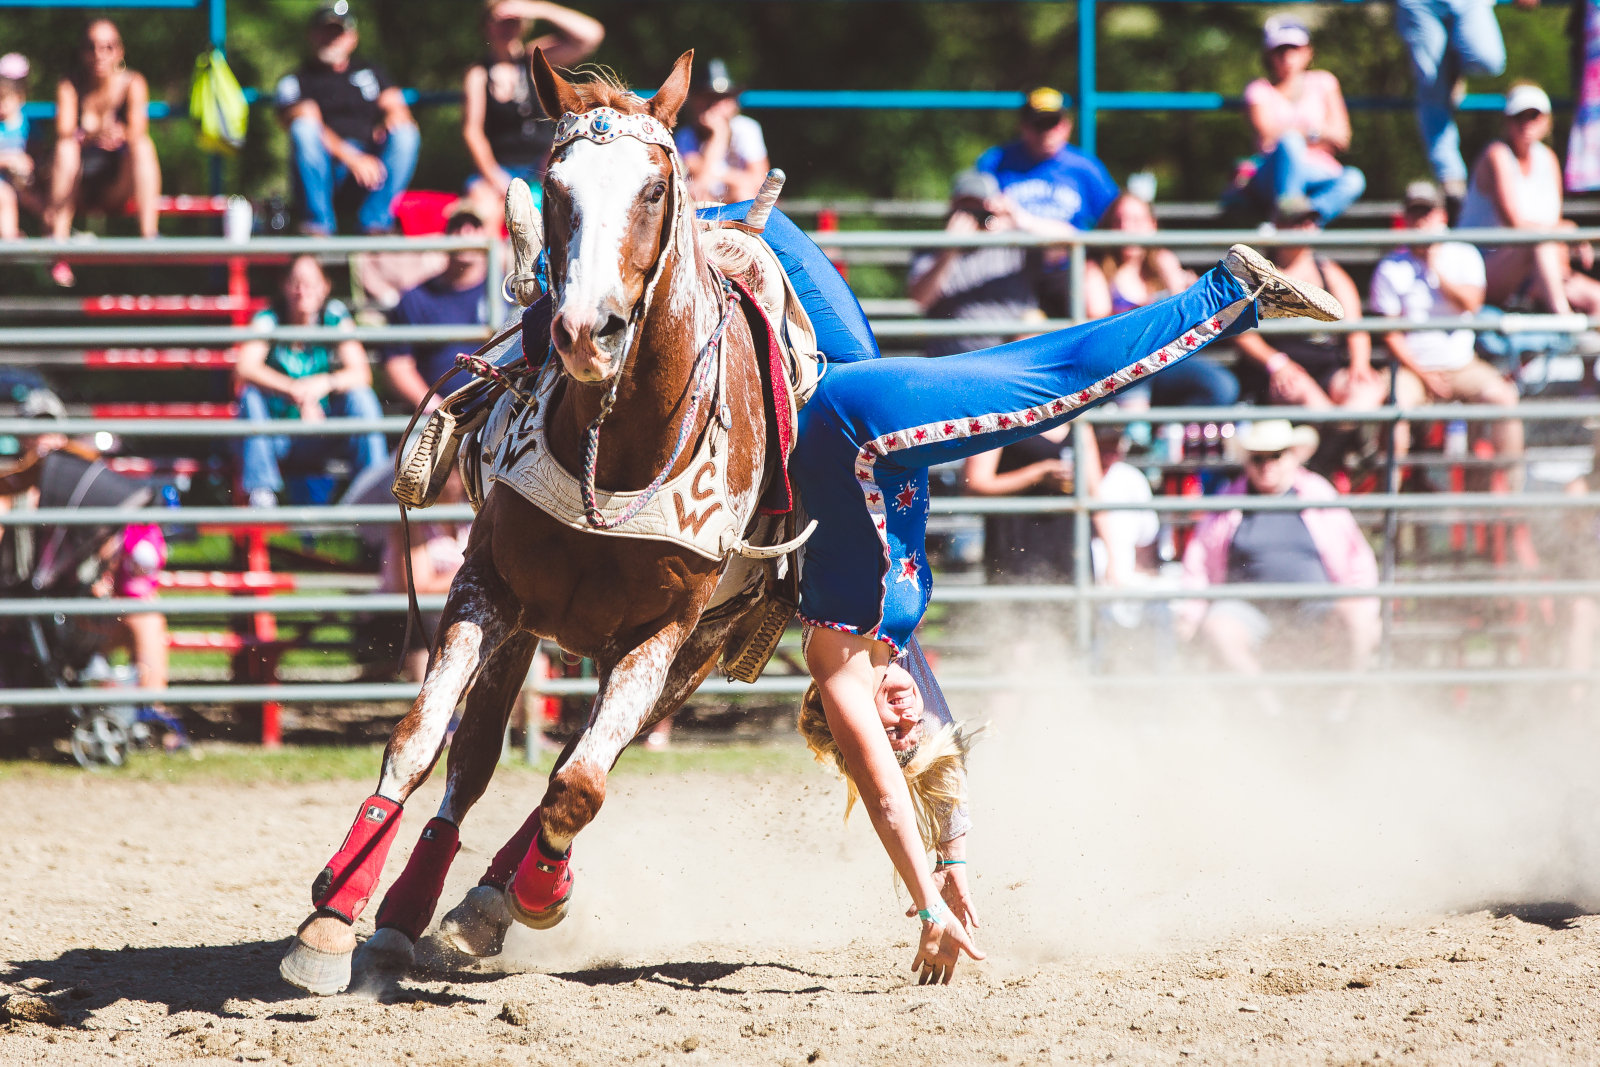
{"x": 1316, "y": 545}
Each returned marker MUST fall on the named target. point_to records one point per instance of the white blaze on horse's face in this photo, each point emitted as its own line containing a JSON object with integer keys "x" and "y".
{"x": 604, "y": 207}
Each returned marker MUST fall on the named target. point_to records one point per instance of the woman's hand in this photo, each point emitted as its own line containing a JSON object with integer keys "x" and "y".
{"x": 952, "y": 883}
{"x": 941, "y": 946}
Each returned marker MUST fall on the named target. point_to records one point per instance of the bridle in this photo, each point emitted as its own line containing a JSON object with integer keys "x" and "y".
{"x": 603, "y": 125}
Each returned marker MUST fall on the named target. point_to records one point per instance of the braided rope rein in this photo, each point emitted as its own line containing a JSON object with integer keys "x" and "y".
{"x": 591, "y": 448}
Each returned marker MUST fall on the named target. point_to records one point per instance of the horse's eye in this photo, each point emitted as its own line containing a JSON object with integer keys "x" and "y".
{"x": 659, "y": 191}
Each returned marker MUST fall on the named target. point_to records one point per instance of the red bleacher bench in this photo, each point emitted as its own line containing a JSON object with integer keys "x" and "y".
{"x": 195, "y": 641}
{"x": 161, "y": 358}
{"x": 227, "y": 581}
{"x": 163, "y": 411}
{"x": 172, "y": 305}
{"x": 184, "y": 205}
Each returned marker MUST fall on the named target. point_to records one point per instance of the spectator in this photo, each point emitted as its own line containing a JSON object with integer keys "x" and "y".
{"x": 1583, "y": 141}
{"x": 723, "y": 151}
{"x": 1047, "y": 178}
{"x": 1448, "y": 40}
{"x": 1021, "y": 549}
{"x": 457, "y": 295}
{"x": 1317, "y": 370}
{"x": 1301, "y": 125}
{"x": 281, "y": 380}
{"x": 1124, "y": 551}
{"x": 103, "y": 153}
{"x": 347, "y": 121}
{"x": 507, "y": 133}
{"x": 1432, "y": 279}
{"x": 16, "y": 166}
{"x": 977, "y": 283}
{"x": 1134, "y": 276}
{"x": 1315, "y": 545}
{"x": 1517, "y": 183}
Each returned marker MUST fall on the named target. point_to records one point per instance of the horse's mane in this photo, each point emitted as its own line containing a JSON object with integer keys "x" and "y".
{"x": 599, "y": 86}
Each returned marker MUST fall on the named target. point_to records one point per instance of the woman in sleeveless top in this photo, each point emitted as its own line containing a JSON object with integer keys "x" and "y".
{"x": 1516, "y": 183}
{"x": 506, "y": 131}
{"x": 104, "y": 153}
{"x": 1134, "y": 276}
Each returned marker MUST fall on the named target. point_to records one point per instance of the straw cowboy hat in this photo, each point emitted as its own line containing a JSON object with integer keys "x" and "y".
{"x": 1277, "y": 435}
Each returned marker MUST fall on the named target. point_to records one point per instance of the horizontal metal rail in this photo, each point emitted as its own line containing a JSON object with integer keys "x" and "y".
{"x": 395, "y": 603}
{"x": 894, "y": 329}
{"x": 794, "y": 685}
{"x": 45, "y": 249}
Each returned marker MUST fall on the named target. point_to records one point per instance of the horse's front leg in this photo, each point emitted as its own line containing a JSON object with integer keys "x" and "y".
{"x": 479, "y": 614}
{"x": 538, "y": 892}
{"x": 408, "y": 906}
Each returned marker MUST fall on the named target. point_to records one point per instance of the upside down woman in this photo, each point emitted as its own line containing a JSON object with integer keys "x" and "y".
{"x": 866, "y": 440}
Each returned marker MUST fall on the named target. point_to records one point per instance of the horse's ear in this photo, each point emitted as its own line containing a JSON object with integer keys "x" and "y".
{"x": 670, "y": 97}
{"x": 556, "y": 94}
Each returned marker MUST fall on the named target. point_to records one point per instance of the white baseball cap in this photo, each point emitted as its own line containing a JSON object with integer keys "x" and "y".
{"x": 1282, "y": 30}
{"x": 1526, "y": 97}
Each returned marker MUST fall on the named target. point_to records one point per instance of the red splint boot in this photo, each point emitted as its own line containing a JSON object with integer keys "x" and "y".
{"x": 346, "y": 883}
{"x": 540, "y": 890}
{"x": 505, "y": 862}
{"x": 409, "y": 904}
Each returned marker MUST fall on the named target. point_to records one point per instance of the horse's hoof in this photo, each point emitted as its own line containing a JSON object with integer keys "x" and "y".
{"x": 387, "y": 952}
{"x": 478, "y": 925}
{"x": 542, "y": 919}
{"x": 318, "y": 960}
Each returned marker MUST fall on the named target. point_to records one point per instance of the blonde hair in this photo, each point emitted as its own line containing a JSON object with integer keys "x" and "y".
{"x": 935, "y": 773}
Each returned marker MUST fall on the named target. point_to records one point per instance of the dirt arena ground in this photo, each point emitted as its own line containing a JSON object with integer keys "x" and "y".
{"x": 1151, "y": 893}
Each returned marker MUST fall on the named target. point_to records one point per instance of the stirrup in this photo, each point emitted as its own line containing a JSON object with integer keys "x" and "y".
{"x": 425, "y": 462}
{"x": 755, "y": 648}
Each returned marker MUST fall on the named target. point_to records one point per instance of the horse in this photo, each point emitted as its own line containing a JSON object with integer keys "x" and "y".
{"x": 636, "y": 311}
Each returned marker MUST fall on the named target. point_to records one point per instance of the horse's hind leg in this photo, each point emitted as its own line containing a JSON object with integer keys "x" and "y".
{"x": 408, "y": 906}
{"x": 478, "y": 616}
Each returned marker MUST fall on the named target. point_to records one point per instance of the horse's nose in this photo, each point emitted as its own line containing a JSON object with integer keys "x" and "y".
{"x": 569, "y": 325}
{"x": 613, "y": 325}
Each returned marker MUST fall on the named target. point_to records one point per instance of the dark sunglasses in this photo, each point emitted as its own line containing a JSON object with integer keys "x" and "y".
{"x": 1260, "y": 458}
{"x": 1527, "y": 116}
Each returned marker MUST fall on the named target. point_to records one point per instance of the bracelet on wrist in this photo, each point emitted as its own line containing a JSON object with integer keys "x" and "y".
{"x": 948, "y": 863}
{"x": 938, "y": 914}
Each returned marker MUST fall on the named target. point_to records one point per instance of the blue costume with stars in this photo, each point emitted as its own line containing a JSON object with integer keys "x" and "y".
{"x": 874, "y": 426}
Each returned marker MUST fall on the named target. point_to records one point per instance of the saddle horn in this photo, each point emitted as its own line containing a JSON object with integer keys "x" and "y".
{"x": 766, "y": 199}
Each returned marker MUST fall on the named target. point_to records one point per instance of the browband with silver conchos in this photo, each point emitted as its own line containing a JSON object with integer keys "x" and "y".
{"x": 605, "y": 124}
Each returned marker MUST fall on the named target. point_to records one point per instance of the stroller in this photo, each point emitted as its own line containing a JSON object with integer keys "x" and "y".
{"x": 60, "y": 651}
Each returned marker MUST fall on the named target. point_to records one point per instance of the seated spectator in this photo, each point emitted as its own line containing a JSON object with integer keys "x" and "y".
{"x": 104, "y": 154}
{"x": 16, "y": 166}
{"x": 283, "y": 380}
{"x": 1134, "y": 276}
{"x": 1301, "y": 125}
{"x": 507, "y": 133}
{"x": 1316, "y": 370}
{"x": 1317, "y": 545}
{"x": 1434, "y": 279}
{"x": 977, "y": 283}
{"x": 347, "y": 121}
{"x": 724, "y": 152}
{"x": 1023, "y": 549}
{"x": 1047, "y": 178}
{"x": 455, "y": 296}
{"x": 1516, "y": 183}
{"x": 1124, "y": 551}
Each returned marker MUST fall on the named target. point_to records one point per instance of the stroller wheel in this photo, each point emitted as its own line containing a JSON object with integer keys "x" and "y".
{"x": 98, "y": 740}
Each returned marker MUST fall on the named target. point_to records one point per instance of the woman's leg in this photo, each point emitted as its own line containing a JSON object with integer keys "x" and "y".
{"x": 842, "y": 331}
{"x": 64, "y": 187}
{"x": 8, "y": 211}
{"x": 146, "y": 185}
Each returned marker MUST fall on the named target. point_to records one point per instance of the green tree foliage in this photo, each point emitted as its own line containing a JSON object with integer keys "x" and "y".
{"x": 839, "y": 45}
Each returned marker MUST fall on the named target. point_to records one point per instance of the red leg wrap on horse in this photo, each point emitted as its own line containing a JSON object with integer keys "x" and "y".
{"x": 542, "y": 881}
{"x": 505, "y": 862}
{"x": 346, "y": 883}
{"x": 409, "y": 904}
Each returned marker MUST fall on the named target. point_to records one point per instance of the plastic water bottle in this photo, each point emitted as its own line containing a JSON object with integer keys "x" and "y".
{"x": 1455, "y": 437}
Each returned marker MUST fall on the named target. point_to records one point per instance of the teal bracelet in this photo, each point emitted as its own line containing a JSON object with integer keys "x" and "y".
{"x": 950, "y": 863}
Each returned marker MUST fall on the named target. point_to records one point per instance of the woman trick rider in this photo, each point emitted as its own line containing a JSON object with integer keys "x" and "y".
{"x": 866, "y": 440}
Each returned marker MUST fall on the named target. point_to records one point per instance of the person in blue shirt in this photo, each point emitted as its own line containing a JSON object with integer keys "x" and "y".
{"x": 16, "y": 166}
{"x": 1045, "y": 176}
{"x": 456, "y": 295}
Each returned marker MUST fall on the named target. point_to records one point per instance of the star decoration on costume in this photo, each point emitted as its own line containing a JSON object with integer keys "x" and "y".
{"x": 1032, "y": 416}
{"x": 1215, "y": 324}
{"x": 1083, "y": 398}
{"x": 874, "y": 499}
{"x": 1138, "y": 369}
{"x": 974, "y": 426}
{"x": 1190, "y": 340}
{"x": 949, "y": 428}
{"x": 906, "y": 571}
{"x": 1005, "y": 420}
{"x": 905, "y": 498}
{"x": 922, "y": 435}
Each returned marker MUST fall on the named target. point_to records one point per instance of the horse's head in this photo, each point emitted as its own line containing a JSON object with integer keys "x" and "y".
{"x": 610, "y": 195}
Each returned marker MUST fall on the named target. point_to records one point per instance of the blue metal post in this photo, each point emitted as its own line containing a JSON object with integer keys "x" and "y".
{"x": 1086, "y": 76}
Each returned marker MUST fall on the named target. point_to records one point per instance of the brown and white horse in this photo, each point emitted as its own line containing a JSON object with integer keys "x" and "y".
{"x": 653, "y": 616}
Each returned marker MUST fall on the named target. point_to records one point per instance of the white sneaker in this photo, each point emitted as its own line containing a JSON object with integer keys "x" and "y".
{"x": 526, "y": 230}
{"x": 263, "y": 498}
{"x": 1280, "y": 296}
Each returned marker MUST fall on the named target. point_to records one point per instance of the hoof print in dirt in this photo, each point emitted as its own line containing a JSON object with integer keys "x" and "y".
{"x": 28, "y": 1008}
{"x": 516, "y": 1013}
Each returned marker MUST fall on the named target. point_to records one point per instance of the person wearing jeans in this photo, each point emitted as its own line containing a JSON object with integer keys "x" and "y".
{"x": 346, "y": 120}
{"x": 1448, "y": 40}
